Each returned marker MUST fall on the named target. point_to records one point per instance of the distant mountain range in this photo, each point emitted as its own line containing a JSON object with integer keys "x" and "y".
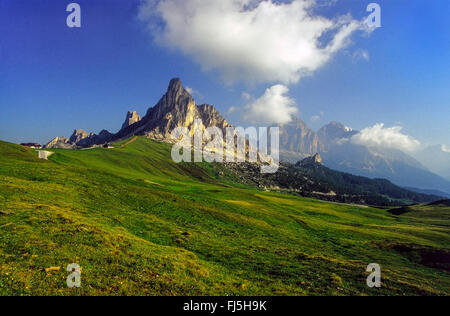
{"x": 429, "y": 192}
{"x": 297, "y": 141}
{"x": 436, "y": 158}
{"x": 333, "y": 142}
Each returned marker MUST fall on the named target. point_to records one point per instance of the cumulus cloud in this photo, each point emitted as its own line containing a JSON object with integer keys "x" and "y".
{"x": 274, "y": 107}
{"x": 445, "y": 149}
{"x": 388, "y": 137}
{"x": 250, "y": 40}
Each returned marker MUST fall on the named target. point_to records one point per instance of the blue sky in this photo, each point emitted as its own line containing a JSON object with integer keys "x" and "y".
{"x": 54, "y": 79}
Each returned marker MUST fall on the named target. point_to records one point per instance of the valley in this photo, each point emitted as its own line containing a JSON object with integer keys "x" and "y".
{"x": 224, "y": 156}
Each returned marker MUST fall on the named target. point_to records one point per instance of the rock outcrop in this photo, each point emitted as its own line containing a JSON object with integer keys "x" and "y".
{"x": 93, "y": 139}
{"x": 297, "y": 137}
{"x": 80, "y": 139}
{"x": 79, "y": 135}
{"x": 60, "y": 143}
{"x": 315, "y": 160}
{"x": 211, "y": 117}
{"x": 131, "y": 118}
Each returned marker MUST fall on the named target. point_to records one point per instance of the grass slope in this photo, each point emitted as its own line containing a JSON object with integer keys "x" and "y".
{"x": 139, "y": 224}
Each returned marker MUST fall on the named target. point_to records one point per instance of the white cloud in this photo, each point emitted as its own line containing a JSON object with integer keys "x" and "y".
{"x": 445, "y": 149}
{"x": 361, "y": 54}
{"x": 317, "y": 117}
{"x": 388, "y": 137}
{"x": 342, "y": 141}
{"x": 194, "y": 92}
{"x": 232, "y": 109}
{"x": 246, "y": 96}
{"x": 250, "y": 40}
{"x": 274, "y": 107}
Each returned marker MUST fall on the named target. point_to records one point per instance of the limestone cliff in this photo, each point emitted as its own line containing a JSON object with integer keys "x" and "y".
{"x": 176, "y": 108}
{"x": 61, "y": 143}
{"x": 131, "y": 118}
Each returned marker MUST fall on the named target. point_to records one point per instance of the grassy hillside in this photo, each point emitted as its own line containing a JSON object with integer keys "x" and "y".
{"x": 138, "y": 223}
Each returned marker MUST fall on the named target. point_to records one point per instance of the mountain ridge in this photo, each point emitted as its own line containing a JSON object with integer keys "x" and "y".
{"x": 333, "y": 142}
{"x": 310, "y": 178}
{"x": 177, "y": 108}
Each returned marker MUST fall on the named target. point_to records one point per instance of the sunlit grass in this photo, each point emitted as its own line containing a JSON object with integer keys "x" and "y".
{"x": 138, "y": 223}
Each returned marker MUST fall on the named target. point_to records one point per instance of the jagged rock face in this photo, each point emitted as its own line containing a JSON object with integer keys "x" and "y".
{"x": 333, "y": 133}
{"x": 93, "y": 139}
{"x": 80, "y": 139}
{"x": 315, "y": 160}
{"x": 176, "y": 108}
{"x": 60, "y": 143}
{"x": 211, "y": 117}
{"x": 297, "y": 137}
{"x": 131, "y": 118}
{"x": 78, "y": 135}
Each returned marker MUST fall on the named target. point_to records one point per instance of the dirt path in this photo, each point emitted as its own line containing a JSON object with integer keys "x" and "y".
{"x": 129, "y": 142}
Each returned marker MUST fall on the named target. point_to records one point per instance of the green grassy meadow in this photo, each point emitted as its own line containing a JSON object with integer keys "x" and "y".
{"x": 139, "y": 224}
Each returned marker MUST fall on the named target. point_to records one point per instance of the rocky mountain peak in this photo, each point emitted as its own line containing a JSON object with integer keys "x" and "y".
{"x": 334, "y": 132}
{"x": 59, "y": 142}
{"x": 176, "y": 100}
{"x": 297, "y": 137}
{"x": 337, "y": 124}
{"x": 80, "y": 139}
{"x": 311, "y": 161}
{"x": 176, "y": 93}
{"x": 130, "y": 119}
{"x": 78, "y": 135}
{"x": 336, "y": 127}
{"x": 101, "y": 138}
{"x": 333, "y": 128}
{"x": 104, "y": 132}
{"x": 176, "y": 85}
{"x": 176, "y": 108}
{"x": 317, "y": 158}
